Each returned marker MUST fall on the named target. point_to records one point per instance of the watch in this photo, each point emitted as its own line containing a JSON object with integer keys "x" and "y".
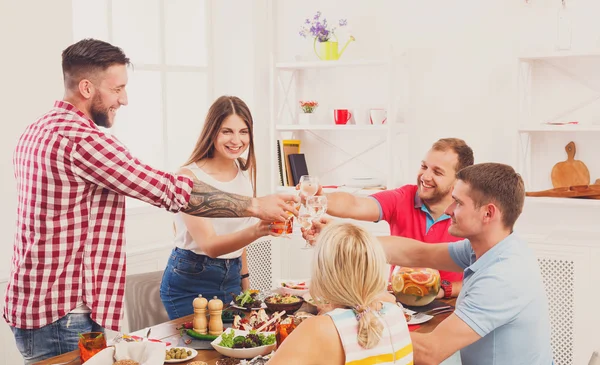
{"x": 246, "y": 275}
{"x": 447, "y": 286}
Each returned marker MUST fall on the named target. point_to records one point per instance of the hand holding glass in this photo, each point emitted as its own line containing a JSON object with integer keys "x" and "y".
{"x": 309, "y": 185}
{"x": 316, "y": 206}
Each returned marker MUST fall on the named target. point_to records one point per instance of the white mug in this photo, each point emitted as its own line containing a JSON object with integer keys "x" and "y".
{"x": 377, "y": 116}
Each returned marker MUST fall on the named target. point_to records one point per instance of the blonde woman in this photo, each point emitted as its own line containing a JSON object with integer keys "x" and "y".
{"x": 365, "y": 326}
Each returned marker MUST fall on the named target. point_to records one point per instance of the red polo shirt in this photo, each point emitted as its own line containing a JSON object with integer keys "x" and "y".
{"x": 401, "y": 208}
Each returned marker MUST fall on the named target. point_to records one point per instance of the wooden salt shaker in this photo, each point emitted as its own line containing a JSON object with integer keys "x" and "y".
{"x": 215, "y": 323}
{"x": 200, "y": 305}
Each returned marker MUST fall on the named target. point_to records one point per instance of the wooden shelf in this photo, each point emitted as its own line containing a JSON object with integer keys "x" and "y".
{"x": 328, "y": 64}
{"x": 562, "y": 201}
{"x": 559, "y": 55}
{"x": 356, "y": 191}
{"x": 336, "y": 127}
{"x": 562, "y": 128}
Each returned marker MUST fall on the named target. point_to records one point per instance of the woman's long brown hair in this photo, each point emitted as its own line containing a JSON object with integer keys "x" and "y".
{"x": 222, "y": 108}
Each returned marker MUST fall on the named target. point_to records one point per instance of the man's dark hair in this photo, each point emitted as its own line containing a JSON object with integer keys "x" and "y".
{"x": 88, "y": 57}
{"x": 496, "y": 183}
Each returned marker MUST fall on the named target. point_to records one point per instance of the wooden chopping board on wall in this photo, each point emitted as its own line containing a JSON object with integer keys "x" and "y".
{"x": 571, "y": 172}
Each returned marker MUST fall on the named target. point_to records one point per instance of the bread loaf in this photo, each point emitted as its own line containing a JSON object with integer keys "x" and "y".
{"x": 126, "y": 362}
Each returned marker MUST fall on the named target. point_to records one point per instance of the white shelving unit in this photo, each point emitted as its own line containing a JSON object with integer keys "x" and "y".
{"x": 284, "y": 107}
{"x": 539, "y": 139}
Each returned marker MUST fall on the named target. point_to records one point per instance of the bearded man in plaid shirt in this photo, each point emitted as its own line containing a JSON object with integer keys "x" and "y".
{"x": 68, "y": 267}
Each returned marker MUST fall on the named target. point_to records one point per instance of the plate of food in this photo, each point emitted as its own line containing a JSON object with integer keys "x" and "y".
{"x": 247, "y": 300}
{"x": 284, "y": 302}
{"x": 243, "y": 344}
{"x": 294, "y": 287}
{"x": 179, "y": 354}
{"x": 413, "y": 317}
{"x": 130, "y": 338}
{"x": 254, "y": 321}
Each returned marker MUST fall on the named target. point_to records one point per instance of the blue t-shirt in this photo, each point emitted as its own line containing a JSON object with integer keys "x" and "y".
{"x": 504, "y": 301}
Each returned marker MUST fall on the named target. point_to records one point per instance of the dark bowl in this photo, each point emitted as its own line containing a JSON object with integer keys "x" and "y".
{"x": 288, "y": 308}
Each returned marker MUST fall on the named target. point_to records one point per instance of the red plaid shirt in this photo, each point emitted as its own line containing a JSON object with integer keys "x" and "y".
{"x": 72, "y": 180}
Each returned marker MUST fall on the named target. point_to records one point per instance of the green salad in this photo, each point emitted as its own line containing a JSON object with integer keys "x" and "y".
{"x": 252, "y": 339}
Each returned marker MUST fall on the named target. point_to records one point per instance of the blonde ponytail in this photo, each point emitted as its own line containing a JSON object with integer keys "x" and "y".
{"x": 346, "y": 253}
{"x": 369, "y": 329}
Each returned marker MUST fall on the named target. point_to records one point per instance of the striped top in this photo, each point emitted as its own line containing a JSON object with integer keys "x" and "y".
{"x": 395, "y": 346}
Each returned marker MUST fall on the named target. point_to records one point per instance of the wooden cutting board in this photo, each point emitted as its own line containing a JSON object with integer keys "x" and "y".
{"x": 577, "y": 191}
{"x": 570, "y": 172}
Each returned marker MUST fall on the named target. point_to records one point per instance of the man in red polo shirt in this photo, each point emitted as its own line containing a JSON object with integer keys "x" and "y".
{"x": 416, "y": 211}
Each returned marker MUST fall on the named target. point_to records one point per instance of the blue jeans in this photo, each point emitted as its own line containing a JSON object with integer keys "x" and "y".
{"x": 189, "y": 274}
{"x": 55, "y": 338}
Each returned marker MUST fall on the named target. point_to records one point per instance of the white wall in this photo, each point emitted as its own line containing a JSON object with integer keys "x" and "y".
{"x": 31, "y": 80}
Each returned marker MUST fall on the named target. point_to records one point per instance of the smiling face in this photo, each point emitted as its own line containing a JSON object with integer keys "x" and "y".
{"x": 437, "y": 175}
{"x": 233, "y": 138}
{"x": 466, "y": 219}
{"x": 108, "y": 95}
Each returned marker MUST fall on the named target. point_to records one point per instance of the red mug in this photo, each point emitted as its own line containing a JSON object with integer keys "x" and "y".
{"x": 341, "y": 116}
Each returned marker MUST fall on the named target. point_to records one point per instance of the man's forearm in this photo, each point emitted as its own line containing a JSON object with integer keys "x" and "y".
{"x": 208, "y": 201}
{"x": 338, "y": 204}
{"x": 346, "y": 205}
{"x": 403, "y": 251}
{"x": 422, "y": 350}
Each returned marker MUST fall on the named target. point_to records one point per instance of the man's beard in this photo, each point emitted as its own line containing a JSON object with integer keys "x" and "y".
{"x": 436, "y": 197}
{"x": 99, "y": 113}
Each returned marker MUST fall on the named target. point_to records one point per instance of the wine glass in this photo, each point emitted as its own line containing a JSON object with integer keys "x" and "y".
{"x": 309, "y": 185}
{"x": 317, "y": 206}
{"x": 304, "y": 218}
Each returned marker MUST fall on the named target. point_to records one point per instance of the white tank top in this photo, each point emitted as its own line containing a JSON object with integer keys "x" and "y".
{"x": 239, "y": 185}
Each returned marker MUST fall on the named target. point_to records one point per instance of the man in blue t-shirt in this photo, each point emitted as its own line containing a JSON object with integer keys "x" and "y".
{"x": 501, "y": 314}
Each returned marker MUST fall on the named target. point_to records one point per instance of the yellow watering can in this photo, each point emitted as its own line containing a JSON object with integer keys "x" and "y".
{"x": 329, "y": 49}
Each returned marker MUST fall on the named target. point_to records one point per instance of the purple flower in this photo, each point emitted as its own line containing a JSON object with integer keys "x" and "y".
{"x": 318, "y": 28}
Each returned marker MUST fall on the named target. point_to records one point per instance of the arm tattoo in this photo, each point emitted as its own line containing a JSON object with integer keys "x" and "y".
{"x": 208, "y": 201}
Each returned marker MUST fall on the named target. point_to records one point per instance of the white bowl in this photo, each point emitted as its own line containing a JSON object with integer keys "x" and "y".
{"x": 243, "y": 353}
{"x": 297, "y": 292}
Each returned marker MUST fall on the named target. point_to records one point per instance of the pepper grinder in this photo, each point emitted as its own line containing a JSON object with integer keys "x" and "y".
{"x": 215, "y": 323}
{"x": 200, "y": 305}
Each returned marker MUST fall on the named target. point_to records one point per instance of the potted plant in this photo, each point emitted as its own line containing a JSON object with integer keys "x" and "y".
{"x": 319, "y": 29}
{"x": 307, "y": 108}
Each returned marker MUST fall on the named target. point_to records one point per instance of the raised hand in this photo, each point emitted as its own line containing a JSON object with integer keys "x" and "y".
{"x": 275, "y": 207}
{"x": 311, "y": 234}
{"x": 266, "y": 228}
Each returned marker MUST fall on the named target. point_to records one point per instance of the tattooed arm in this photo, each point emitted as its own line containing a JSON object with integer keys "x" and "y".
{"x": 208, "y": 201}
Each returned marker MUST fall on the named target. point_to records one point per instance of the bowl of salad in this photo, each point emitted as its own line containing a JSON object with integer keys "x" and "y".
{"x": 247, "y": 300}
{"x": 284, "y": 302}
{"x": 244, "y": 344}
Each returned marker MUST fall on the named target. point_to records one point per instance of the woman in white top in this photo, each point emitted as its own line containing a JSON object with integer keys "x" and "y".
{"x": 365, "y": 326}
{"x": 209, "y": 257}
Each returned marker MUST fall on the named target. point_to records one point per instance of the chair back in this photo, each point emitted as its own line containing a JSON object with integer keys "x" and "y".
{"x": 142, "y": 300}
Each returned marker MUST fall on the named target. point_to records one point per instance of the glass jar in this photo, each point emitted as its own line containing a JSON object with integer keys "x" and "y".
{"x": 415, "y": 286}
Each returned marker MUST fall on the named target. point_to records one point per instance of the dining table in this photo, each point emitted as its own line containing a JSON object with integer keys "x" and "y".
{"x": 170, "y": 332}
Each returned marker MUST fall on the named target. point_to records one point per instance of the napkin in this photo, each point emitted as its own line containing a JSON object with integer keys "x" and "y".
{"x": 146, "y": 353}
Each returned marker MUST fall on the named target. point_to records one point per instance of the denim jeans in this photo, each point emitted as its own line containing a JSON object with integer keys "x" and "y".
{"x": 55, "y": 338}
{"x": 189, "y": 274}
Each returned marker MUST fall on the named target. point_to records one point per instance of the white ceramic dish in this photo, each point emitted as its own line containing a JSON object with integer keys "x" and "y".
{"x": 248, "y": 353}
{"x": 363, "y": 182}
{"x": 262, "y": 305}
{"x": 417, "y": 318}
{"x": 297, "y": 292}
{"x": 189, "y": 358}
